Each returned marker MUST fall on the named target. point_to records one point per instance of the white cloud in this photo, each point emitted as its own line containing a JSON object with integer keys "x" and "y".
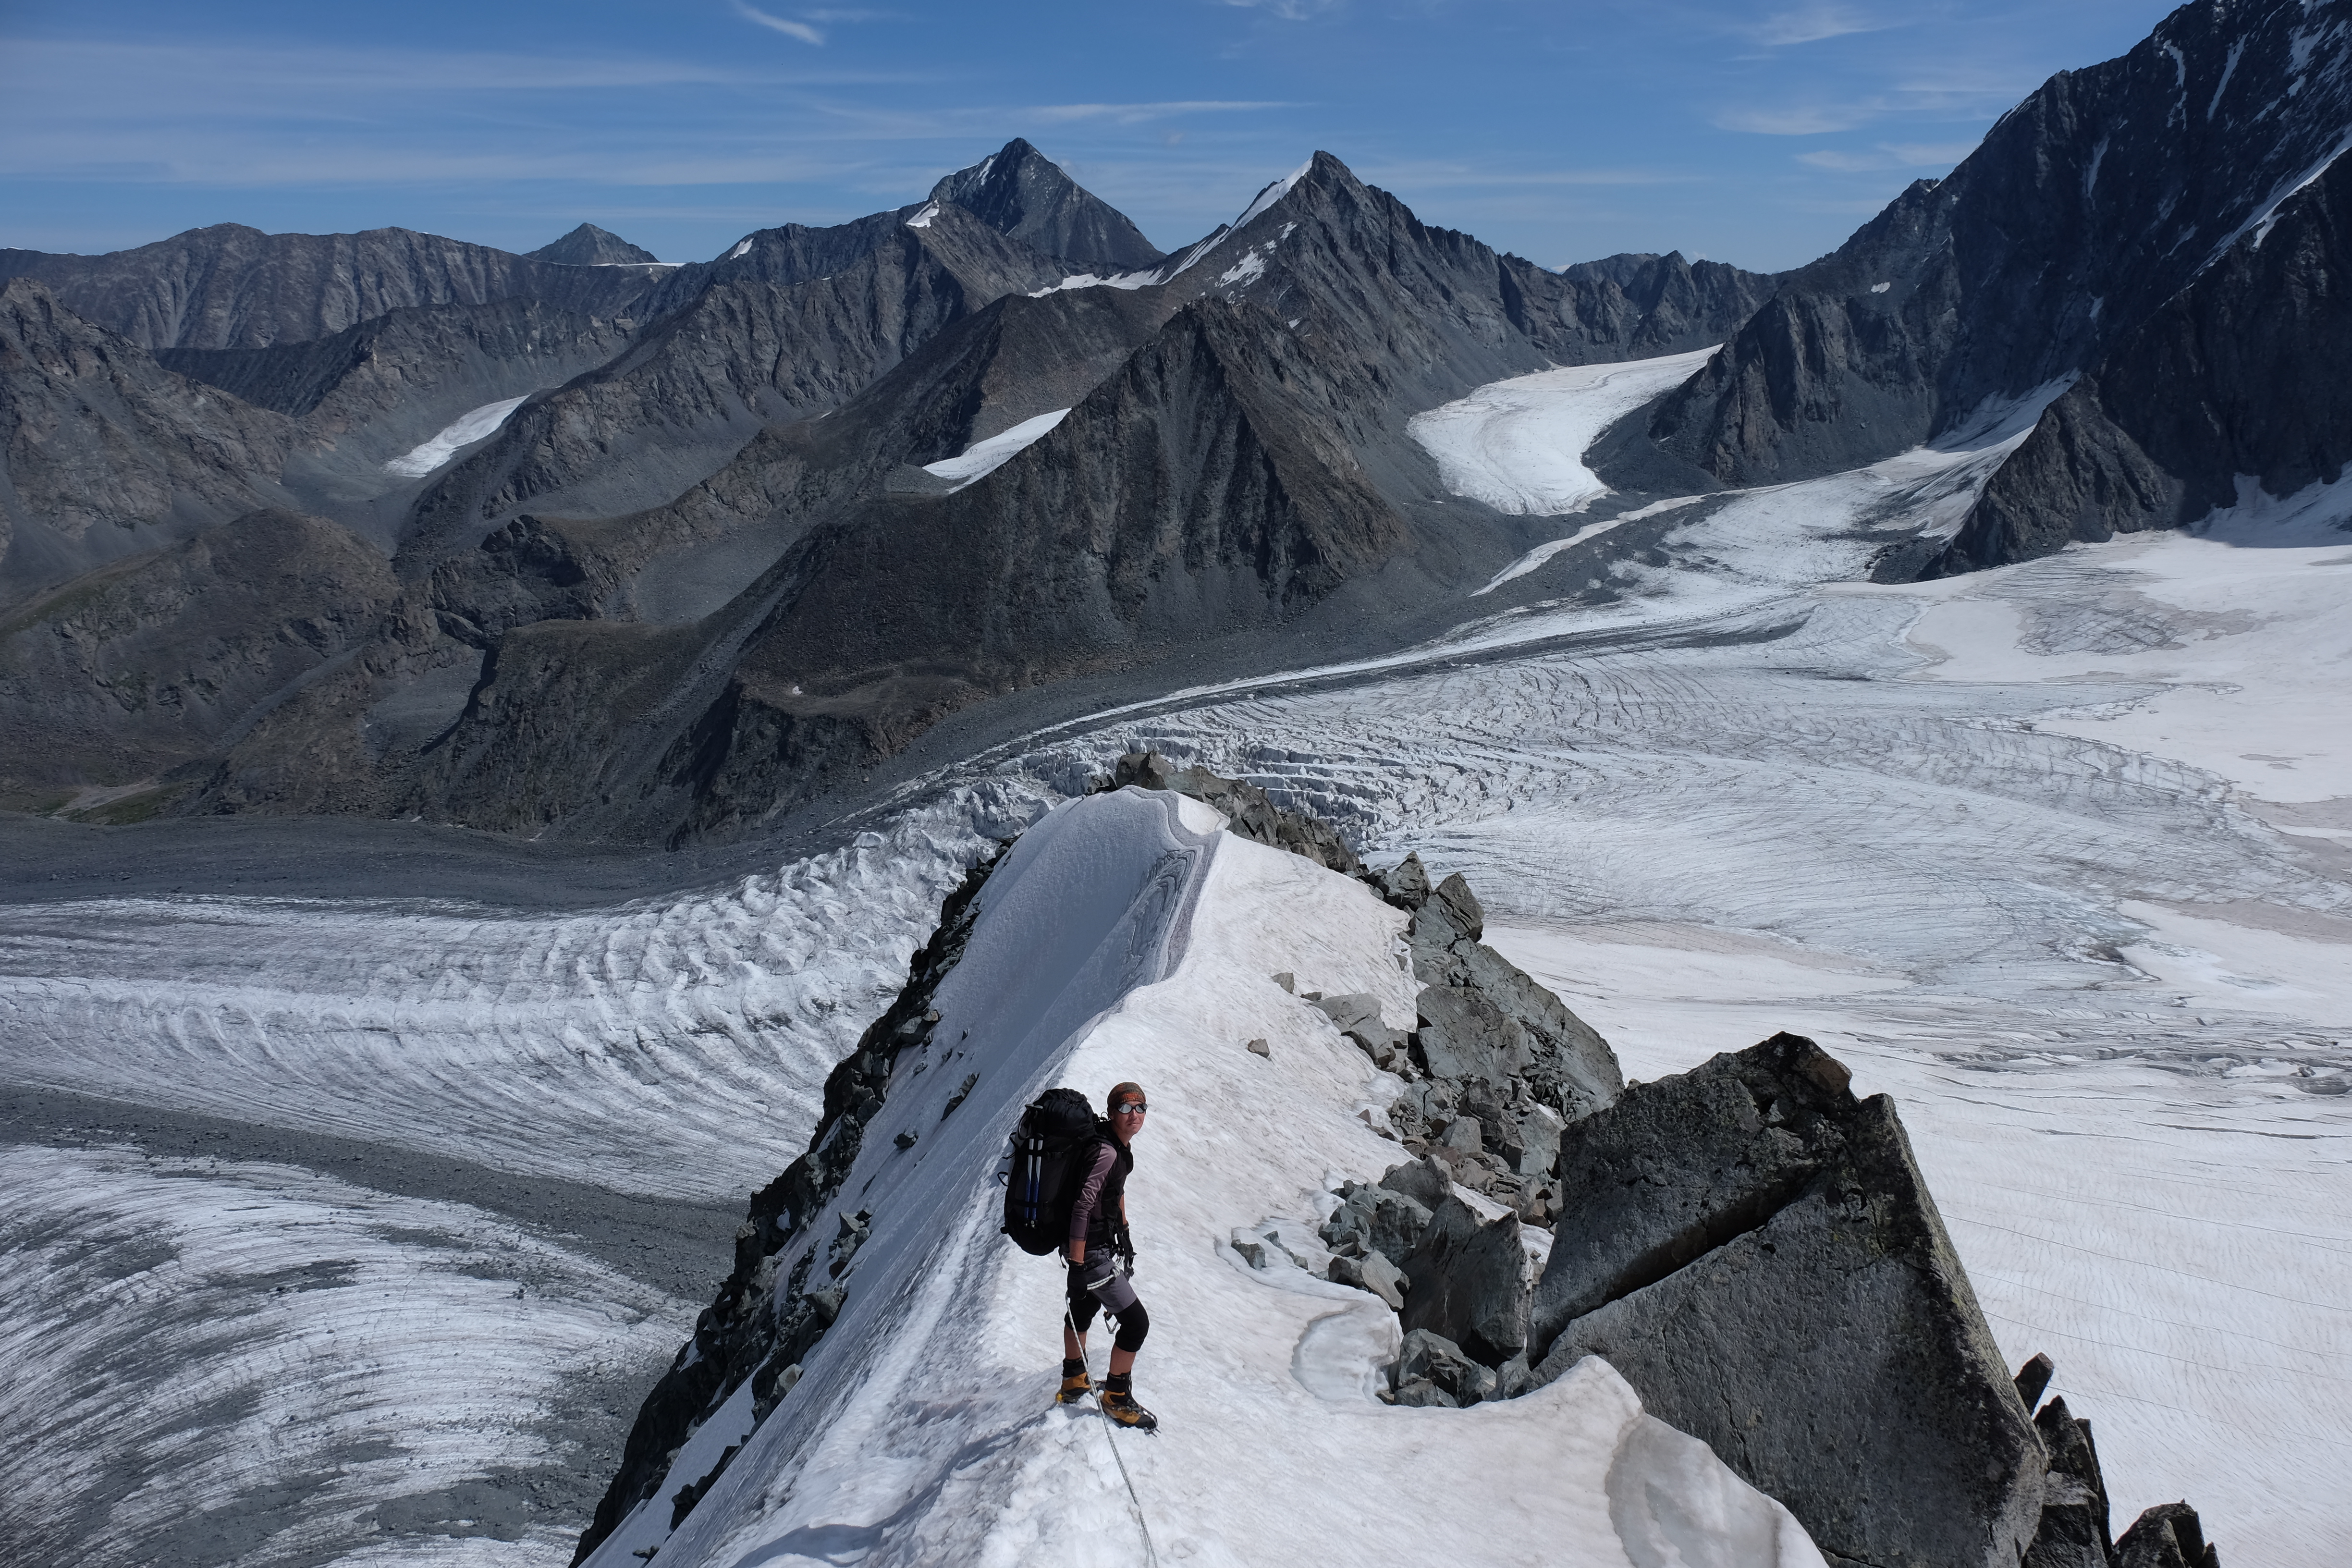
{"x": 1811, "y": 24}
{"x": 791, "y": 29}
{"x": 1288, "y": 10}
{"x": 1891, "y": 155}
{"x": 1798, "y": 119}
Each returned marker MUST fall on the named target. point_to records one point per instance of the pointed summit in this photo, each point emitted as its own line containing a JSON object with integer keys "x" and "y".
{"x": 1021, "y": 191}
{"x": 589, "y": 246}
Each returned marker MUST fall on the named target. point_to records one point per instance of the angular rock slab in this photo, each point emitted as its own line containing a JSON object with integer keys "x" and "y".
{"x": 1755, "y": 1251}
{"x": 1468, "y": 1283}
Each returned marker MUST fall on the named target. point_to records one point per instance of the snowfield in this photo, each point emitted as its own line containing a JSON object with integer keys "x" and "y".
{"x": 925, "y": 1430}
{"x": 2059, "y": 855}
{"x": 1518, "y": 445}
{"x": 464, "y": 431}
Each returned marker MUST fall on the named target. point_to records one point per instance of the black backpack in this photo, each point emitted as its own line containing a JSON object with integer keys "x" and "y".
{"x": 1048, "y": 1148}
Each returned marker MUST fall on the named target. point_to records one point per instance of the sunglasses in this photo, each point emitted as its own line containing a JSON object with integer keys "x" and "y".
{"x": 1131, "y": 1108}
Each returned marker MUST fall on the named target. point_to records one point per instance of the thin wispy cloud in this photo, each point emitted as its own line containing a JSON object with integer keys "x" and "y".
{"x": 1890, "y": 155}
{"x": 1799, "y": 120}
{"x": 784, "y": 25}
{"x": 1287, "y": 10}
{"x": 1811, "y": 24}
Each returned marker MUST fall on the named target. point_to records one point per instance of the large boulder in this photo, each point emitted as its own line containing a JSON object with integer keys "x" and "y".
{"x": 1755, "y": 1251}
{"x": 1468, "y": 1283}
{"x": 1375, "y": 1219}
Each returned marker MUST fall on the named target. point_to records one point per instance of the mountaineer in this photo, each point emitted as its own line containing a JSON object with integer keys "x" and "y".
{"x": 1098, "y": 1244}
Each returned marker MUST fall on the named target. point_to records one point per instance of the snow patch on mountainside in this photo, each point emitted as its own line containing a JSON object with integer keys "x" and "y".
{"x": 1518, "y": 445}
{"x": 1272, "y": 193}
{"x": 469, "y": 429}
{"x": 981, "y": 458}
{"x": 946, "y": 1355}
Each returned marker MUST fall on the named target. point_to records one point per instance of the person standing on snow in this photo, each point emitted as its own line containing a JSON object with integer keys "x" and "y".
{"x": 1098, "y": 1242}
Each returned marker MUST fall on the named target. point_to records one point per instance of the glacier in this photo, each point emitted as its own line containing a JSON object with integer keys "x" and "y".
{"x": 2056, "y": 854}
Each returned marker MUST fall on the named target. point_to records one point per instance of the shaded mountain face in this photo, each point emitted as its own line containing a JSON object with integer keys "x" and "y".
{"x": 711, "y": 573}
{"x": 2236, "y": 380}
{"x": 232, "y": 286}
{"x": 2085, "y": 209}
{"x": 589, "y": 246}
{"x": 108, "y": 454}
{"x": 1021, "y": 192}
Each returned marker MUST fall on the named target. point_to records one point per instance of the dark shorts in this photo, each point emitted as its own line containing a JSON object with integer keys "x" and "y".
{"x": 1113, "y": 1294}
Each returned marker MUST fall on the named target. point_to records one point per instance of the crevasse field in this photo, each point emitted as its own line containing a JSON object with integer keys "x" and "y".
{"x": 2058, "y": 855}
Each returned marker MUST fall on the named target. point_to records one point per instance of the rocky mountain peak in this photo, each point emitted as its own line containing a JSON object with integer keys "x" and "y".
{"x": 1020, "y": 192}
{"x": 589, "y": 246}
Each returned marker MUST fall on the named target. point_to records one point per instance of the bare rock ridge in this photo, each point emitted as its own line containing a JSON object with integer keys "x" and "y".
{"x": 107, "y": 453}
{"x": 589, "y": 246}
{"x": 1750, "y": 1245}
{"x": 233, "y": 287}
{"x": 1020, "y": 192}
{"x": 2231, "y": 382}
{"x": 2128, "y": 199}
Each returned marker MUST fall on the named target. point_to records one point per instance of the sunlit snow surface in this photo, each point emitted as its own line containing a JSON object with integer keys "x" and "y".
{"x": 1518, "y": 445}
{"x": 2060, "y": 855}
{"x": 464, "y": 431}
{"x": 1126, "y": 938}
{"x": 983, "y": 458}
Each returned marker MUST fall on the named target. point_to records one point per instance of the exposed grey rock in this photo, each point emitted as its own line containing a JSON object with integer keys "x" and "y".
{"x": 1406, "y": 883}
{"x": 1427, "y": 1356}
{"x": 1755, "y": 1251}
{"x": 1425, "y": 1181}
{"x": 827, "y": 1300}
{"x": 2032, "y": 1378}
{"x": 2083, "y": 211}
{"x": 1372, "y": 1272}
{"x": 1424, "y": 1393}
{"x": 1460, "y": 1135}
{"x": 1287, "y": 980}
{"x": 1020, "y": 192}
{"x": 1539, "y": 1132}
{"x": 2167, "y": 1536}
{"x": 1358, "y": 1017}
{"x": 105, "y": 454}
{"x": 1483, "y": 1019}
{"x": 1254, "y": 816}
{"x": 1259, "y": 1048}
{"x": 2234, "y": 376}
{"x": 2073, "y": 1532}
{"x": 1469, "y": 1283}
{"x": 589, "y": 246}
{"x": 1376, "y": 1219}
{"x": 233, "y": 287}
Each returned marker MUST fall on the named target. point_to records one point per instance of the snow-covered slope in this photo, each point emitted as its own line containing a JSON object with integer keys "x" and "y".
{"x": 1519, "y": 445}
{"x": 1126, "y": 938}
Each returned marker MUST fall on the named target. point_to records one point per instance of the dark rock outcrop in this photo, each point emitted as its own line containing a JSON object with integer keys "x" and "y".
{"x": 2167, "y": 1536}
{"x": 145, "y": 668}
{"x": 1468, "y": 1283}
{"x": 1755, "y": 1251}
{"x": 1018, "y": 191}
{"x": 1250, "y": 811}
{"x": 589, "y": 246}
{"x": 2084, "y": 209}
{"x": 2073, "y": 1532}
{"x": 763, "y": 1322}
{"x": 2236, "y": 378}
{"x": 105, "y": 454}
{"x": 230, "y": 287}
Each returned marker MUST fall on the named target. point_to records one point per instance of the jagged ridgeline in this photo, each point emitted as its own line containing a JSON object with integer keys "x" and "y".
{"x": 653, "y": 553}
{"x": 1748, "y": 1244}
{"x": 660, "y": 552}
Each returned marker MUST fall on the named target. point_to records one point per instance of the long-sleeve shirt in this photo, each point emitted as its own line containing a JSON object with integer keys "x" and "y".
{"x": 1085, "y": 1208}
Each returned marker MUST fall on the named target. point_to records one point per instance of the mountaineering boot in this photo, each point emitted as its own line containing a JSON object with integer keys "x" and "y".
{"x": 1076, "y": 1383}
{"x": 1118, "y": 1402}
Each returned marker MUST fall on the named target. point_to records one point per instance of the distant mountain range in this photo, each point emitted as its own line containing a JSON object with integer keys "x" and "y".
{"x": 575, "y": 541}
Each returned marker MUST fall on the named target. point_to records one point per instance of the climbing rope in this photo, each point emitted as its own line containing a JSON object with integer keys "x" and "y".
{"x": 1111, "y": 1428}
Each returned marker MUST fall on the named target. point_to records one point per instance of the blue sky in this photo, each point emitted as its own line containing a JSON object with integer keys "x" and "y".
{"x": 1755, "y": 134}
